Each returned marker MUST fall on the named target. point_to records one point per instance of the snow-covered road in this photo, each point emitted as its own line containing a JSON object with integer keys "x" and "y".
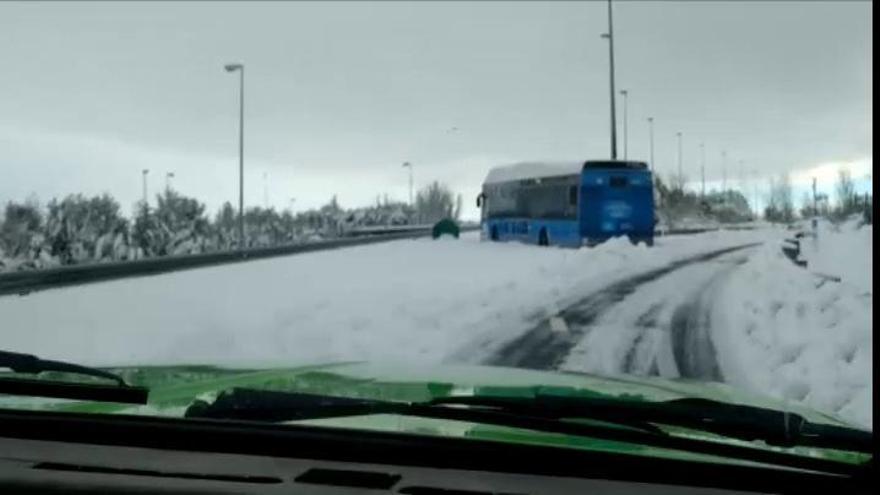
{"x": 663, "y": 325}
{"x": 616, "y": 330}
{"x": 699, "y": 306}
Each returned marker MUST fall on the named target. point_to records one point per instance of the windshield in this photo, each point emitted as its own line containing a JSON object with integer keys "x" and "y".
{"x": 196, "y": 197}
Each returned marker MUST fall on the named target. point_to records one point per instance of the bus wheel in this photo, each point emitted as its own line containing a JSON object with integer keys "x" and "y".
{"x": 542, "y": 238}
{"x": 494, "y": 234}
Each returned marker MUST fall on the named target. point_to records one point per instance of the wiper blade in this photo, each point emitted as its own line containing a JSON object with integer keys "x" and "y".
{"x": 777, "y": 428}
{"x": 27, "y": 363}
{"x": 272, "y": 406}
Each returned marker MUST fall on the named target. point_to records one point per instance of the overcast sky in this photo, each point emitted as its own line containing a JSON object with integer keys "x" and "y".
{"x": 338, "y": 95}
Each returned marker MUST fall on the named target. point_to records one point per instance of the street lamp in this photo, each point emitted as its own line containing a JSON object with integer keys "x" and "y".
{"x": 144, "y": 173}
{"x": 625, "y": 93}
{"x": 703, "y": 170}
{"x": 651, "y": 139}
{"x": 680, "y": 174}
{"x": 610, "y": 37}
{"x": 168, "y": 177}
{"x": 266, "y": 190}
{"x": 755, "y": 187}
{"x": 724, "y": 172}
{"x": 410, "y": 167}
{"x": 240, "y": 69}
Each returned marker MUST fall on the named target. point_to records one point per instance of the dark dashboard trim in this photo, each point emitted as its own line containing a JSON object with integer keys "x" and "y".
{"x": 349, "y": 445}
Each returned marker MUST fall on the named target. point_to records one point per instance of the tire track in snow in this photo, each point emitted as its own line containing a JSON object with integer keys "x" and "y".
{"x": 690, "y": 332}
{"x": 543, "y": 348}
{"x": 642, "y": 344}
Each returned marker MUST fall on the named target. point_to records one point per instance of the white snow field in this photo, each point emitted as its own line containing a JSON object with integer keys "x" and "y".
{"x": 786, "y": 332}
{"x": 427, "y": 302}
{"x": 412, "y": 300}
{"x": 843, "y": 251}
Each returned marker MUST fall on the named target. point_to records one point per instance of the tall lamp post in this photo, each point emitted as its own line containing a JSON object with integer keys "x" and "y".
{"x": 410, "y": 167}
{"x": 680, "y": 172}
{"x": 610, "y": 37}
{"x": 651, "y": 140}
{"x": 625, "y": 94}
{"x": 703, "y": 170}
{"x": 240, "y": 69}
{"x": 168, "y": 177}
{"x": 144, "y": 173}
{"x": 724, "y": 172}
{"x": 266, "y": 190}
{"x": 755, "y": 187}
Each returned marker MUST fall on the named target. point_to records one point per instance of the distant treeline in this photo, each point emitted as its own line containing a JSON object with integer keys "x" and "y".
{"x": 79, "y": 229}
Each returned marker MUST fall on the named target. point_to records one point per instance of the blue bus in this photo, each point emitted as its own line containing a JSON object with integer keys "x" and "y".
{"x": 568, "y": 203}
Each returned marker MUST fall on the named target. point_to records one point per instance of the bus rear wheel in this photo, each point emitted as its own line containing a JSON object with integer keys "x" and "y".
{"x": 493, "y": 234}
{"x": 543, "y": 240}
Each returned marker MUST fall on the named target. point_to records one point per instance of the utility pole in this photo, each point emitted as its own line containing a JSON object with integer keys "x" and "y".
{"x": 651, "y": 140}
{"x": 610, "y": 37}
{"x": 168, "y": 177}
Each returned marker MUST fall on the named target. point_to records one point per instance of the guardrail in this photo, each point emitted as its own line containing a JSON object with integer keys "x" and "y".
{"x": 24, "y": 282}
{"x": 387, "y": 229}
{"x": 791, "y": 248}
{"x": 701, "y": 230}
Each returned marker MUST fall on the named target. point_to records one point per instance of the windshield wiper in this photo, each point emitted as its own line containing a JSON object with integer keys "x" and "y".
{"x": 777, "y": 428}
{"x": 527, "y": 413}
{"x": 27, "y": 363}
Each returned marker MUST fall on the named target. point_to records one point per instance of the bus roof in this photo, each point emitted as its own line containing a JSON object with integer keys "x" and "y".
{"x": 531, "y": 170}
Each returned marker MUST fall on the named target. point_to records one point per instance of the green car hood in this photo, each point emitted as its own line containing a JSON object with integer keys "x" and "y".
{"x": 173, "y": 388}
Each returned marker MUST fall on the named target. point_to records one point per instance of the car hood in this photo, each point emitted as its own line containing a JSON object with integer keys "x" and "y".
{"x": 173, "y": 388}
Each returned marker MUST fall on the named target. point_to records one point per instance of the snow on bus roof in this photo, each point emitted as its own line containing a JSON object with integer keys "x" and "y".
{"x": 527, "y": 170}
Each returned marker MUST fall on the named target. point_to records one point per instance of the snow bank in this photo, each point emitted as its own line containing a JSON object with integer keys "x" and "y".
{"x": 414, "y": 300}
{"x": 783, "y": 331}
{"x": 527, "y": 170}
{"x": 844, "y": 251}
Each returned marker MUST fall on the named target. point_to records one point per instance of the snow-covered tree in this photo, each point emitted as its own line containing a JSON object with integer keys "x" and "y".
{"x": 22, "y": 223}
{"x": 807, "y": 210}
{"x": 225, "y": 228}
{"x": 145, "y": 233}
{"x": 435, "y": 202}
{"x": 847, "y": 201}
{"x": 182, "y": 227}
{"x": 81, "y": 229}
{"x": 780, "y": 205}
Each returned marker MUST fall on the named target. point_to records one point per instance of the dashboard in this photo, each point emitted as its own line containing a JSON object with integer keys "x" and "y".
{"x": 29, "y": 466}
